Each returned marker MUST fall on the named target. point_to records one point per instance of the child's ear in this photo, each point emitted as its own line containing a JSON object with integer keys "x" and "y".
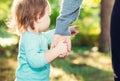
{"x": 36, "y": 18}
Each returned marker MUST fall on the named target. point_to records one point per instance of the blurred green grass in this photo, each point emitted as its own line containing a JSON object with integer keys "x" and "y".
{"x": 83, "y": 64}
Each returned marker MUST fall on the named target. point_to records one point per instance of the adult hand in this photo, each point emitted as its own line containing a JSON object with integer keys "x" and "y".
{"x": 73, "y": 30}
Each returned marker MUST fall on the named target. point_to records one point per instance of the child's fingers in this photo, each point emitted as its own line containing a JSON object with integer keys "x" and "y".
{"x": 62, "y": 47}
{"x": 62, "y": 55}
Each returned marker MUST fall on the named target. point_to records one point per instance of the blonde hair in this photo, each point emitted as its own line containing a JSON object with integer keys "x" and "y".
{"x": 25, "y": 12}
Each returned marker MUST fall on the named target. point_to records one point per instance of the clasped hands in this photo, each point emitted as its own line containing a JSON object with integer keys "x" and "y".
{"x": 64, "y": 41}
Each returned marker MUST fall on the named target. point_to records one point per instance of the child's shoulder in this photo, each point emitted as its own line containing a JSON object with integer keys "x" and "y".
{"x": 26, "y": 36}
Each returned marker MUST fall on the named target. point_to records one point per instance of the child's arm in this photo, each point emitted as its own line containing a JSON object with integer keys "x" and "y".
{"x": 37, "y": 58}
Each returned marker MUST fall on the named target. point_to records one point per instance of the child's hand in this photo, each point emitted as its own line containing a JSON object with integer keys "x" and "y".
{"x": 73, "y": 30}
{"x": 61, "y": 47}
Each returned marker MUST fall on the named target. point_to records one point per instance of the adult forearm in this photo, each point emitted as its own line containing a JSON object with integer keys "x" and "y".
{"x": 69, "y": 13}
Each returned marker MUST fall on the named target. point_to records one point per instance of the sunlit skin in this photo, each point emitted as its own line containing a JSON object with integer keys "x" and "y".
{"x": 57, "y": 38}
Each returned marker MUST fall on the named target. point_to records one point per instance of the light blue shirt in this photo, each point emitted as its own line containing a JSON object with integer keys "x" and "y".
{"x": 32, "y": 63}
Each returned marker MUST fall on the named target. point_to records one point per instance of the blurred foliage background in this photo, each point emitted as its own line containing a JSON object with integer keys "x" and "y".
{"x": 89, "y": 59}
